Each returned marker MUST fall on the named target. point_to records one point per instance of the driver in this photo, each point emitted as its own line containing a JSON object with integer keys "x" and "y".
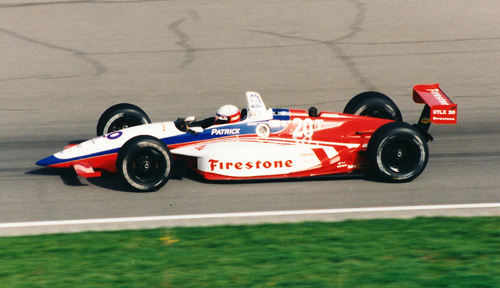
{"x": 227, "y": 114}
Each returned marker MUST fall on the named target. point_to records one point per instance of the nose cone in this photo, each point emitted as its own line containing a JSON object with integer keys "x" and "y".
{"x": 51, "y": 160}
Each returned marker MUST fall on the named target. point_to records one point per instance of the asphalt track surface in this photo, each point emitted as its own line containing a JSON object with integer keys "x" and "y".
{"x": 64, "y": 62}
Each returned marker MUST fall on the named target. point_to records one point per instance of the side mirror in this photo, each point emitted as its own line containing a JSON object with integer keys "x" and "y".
{"x": 196, "y": 129}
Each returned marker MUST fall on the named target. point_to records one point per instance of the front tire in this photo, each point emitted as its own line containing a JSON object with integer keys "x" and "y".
{"x": 121, "y": 116}
{"x": 397, "y": 152}
{"x": 373, "y": 104}
{"x": 145, "y": 164}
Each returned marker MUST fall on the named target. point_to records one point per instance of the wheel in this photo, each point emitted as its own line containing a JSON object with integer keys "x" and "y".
{"x": 144, "y": 163}
{"x": 373, "y": 104}
{"x": 121, "y": 116}
{"x": 397, "y": 152}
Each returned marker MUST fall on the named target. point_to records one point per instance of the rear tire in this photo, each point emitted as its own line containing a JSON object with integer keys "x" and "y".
{"x": 373, "y": 104}
{"x": 397, "y": 152}
{"x": 145, "y": 164}
{"x": 121, "y": 116}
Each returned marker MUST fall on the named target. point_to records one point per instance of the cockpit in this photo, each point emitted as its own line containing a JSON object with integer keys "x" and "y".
{"x": 255, "y": 111}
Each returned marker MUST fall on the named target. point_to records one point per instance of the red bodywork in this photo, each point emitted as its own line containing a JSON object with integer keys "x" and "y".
{"x": 347, "y": 134}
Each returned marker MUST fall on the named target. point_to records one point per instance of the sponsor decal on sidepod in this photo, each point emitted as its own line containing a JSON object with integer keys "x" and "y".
{"x": 249, "y": 165}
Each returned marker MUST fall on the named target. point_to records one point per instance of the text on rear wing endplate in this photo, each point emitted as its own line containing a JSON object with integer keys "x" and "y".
{"x": 441, "y": 109}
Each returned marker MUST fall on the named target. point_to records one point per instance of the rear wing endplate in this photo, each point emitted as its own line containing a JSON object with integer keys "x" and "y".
{"x": 439, "y": 109}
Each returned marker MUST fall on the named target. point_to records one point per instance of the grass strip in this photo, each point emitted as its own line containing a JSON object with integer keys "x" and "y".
{"x": 421, "y": 252}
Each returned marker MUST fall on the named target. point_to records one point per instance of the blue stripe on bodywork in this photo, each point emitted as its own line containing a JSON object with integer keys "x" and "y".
{"x": 52, "y": 160}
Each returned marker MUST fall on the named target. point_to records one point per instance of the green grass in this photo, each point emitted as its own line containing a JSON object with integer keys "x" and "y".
{"x": 422, "y": 252}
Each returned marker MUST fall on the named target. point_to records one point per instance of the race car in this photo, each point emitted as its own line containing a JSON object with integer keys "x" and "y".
{"x": 369, "y": 137}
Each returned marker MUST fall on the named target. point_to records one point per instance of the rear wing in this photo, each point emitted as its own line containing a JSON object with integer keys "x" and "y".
{"x": 438, "y": 108}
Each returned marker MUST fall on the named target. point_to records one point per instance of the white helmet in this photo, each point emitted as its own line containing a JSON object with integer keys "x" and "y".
{"x": 227, "y": 114}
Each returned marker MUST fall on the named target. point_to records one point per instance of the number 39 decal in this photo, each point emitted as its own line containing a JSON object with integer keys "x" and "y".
{"x": 304, "y": 129}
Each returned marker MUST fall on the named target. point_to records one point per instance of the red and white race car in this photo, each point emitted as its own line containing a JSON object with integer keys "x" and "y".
{"x": 369, "y": 136}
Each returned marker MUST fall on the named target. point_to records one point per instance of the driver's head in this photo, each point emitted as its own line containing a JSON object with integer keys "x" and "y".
{"x": 227, "y": 114}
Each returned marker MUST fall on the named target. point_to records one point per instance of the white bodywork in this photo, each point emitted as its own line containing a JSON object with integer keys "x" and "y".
{"x": 116, "y": 140}
{"x": 247, "y": 159}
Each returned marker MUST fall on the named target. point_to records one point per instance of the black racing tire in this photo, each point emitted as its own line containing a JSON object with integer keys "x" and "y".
{"x": 145, "y": 163}
{"x": 397, "y": 152}
{"x": 373, "y": 104}
{"x": 121, "y": 116}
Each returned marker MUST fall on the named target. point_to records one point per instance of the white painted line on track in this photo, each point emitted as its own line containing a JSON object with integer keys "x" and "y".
{"x": 249, "y": 214}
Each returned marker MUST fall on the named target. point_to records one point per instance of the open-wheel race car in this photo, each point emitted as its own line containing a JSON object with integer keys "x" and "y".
{"x": 262, "y": 143}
